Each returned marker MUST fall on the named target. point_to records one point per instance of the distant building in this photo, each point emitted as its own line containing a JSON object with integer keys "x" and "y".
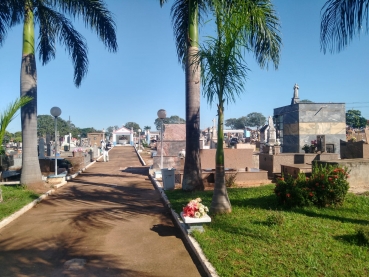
{"x": 300, "y": 123}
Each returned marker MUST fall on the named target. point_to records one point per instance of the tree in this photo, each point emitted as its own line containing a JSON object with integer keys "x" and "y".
{"x": 147, "y": 128}
{"x": 341, "y": 21}
{"x": 46, "y": 125}
{"x": 255, "y": 120}
{"x": 306, "y": 101}
{"x": 53, "y": 26}
{"x": 244, "y": 25}
{"x": 174, "y": 119}
{"x": 185, "y": 18}
{"x": 231, "y": 122}
{"x": 355, "y": 120}
{"x": 9, "y": 114}
{"x": 236, "y": 123}
{"x": 134, "y": 125}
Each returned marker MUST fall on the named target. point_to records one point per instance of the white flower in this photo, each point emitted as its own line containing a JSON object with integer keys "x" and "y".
{"x": 197, "y": 214}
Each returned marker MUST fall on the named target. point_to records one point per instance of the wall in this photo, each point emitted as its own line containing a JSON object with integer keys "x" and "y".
{"x": 233, "y": 158}
{"x": 359, "y": 172}
{"x": 354, "y": 150}
{"x": 272, "y": 163}
{"x": 302, "y": 122}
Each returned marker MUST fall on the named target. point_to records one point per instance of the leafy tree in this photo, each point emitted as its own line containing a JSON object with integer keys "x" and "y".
{"x": 134, "y": 125}
{"x": 231, "y": 122}
{"x": 306, "y": 101}
{"x": 147, "y": 128}
{"x": 236, "y": 123}
{"x": 9, "y": 113}
{"x": 85, "y": 131}
{"x": 174, "y": 119}
{"x": 341, "y": 21}
{"x": 255, "y": 120}
{"x": 243, "y": 25}
{"x": 355, "y": 120}
{"x": 46, "y": 125}
{"x": 54, "y": 27}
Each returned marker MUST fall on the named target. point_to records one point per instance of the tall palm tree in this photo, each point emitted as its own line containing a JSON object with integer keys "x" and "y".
{"x": 186, "y": 15}
{"x": 341, "y": 21}
{"x": 245, "y": 25}
{"x": 54, "y": 26}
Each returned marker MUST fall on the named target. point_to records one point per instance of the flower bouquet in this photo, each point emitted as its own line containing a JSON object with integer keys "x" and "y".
{"x": 195, "y": 209}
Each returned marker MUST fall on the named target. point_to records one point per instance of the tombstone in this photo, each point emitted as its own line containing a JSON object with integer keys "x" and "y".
{"x": 271, "y": 132}
{"x": 41, "y": 148}
{"x": 48, "y": 145}
{"x": 321, "y": 143}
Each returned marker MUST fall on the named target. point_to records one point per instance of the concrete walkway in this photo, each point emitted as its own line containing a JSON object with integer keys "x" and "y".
{"x": 108, "y": 221}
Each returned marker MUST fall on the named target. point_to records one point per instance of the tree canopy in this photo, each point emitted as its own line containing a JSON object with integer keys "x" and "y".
{"x": 253, "y": 119}
{"x": 134, "y": 125}
{"x": 174, "y": 119}
{"x": 355, "y": 120}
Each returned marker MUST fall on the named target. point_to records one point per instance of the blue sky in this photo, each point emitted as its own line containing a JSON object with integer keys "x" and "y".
{"x": 145, "y": 76}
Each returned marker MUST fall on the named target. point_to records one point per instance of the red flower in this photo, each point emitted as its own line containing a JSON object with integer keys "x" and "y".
{"x": 288, "y": 195}
{"x": 311, "y": 194}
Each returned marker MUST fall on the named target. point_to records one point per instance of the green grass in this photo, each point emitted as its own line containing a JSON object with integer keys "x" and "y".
{"x": 15, "y": 198}
{"x": 261, "y": 238}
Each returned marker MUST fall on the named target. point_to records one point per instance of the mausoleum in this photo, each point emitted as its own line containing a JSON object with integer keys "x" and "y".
{"x": 302, "y": 122}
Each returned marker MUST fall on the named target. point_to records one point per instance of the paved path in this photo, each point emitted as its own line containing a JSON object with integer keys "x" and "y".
{"x": 108, "y": 221}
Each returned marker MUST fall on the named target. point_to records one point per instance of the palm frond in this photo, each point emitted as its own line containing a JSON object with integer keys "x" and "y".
{"x": 4, "y": 21}
{"x": 95, "y": 16}
{"x": 341, "y": 21}
{"x": 9, "y": 114}
{"x": 54, "y": 25}
{"x": 180, "y": 21}
{"x": 261, "y": 31}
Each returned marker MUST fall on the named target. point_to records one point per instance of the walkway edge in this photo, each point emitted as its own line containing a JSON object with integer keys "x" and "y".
{"x": 193, "y": 245}
{"x": 29, "y": 206}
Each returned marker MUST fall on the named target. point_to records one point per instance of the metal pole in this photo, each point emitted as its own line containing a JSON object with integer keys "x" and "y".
{"x": 56, "y": 146}
{"x": 161, "y": 140}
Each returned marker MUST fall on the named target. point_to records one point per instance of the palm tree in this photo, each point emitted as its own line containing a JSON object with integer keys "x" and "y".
{"x": 341, "y": 21}
{"x": 53, "y": 26}
{"x": 245, "y": 25}
{"x": 185, "y": 19}
{"x": 9, "y": 114}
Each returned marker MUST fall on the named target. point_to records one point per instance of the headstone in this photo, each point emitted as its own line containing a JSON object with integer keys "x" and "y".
{"x": 48, "y": 145}
{"x": 271, "y": 132}
{"x": 41, "y": 148}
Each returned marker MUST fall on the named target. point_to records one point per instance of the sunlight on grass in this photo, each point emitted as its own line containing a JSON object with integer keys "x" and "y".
{"x": 308, "y": 242}
{"x": 15, "y": 198}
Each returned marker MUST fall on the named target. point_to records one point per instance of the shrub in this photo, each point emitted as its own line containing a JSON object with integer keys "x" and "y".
{"x": 275, "y": 218}
{"x": 327, "y": 186}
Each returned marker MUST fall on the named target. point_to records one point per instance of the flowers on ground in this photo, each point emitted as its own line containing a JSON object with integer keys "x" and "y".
{"x": 195, "y": 209}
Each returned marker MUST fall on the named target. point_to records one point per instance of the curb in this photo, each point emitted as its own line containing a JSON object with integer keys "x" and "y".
{"x": 193, "y": 246}
{"x": 29, "y": 206}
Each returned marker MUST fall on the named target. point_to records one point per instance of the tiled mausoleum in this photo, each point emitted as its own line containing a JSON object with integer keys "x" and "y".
{"x": 301, "y": 122}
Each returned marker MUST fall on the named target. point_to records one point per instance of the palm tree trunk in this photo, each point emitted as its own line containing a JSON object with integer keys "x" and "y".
{"x": 192, "y": 169}
{"x": 31, "y": 172}
{"x": 220, "y": 202}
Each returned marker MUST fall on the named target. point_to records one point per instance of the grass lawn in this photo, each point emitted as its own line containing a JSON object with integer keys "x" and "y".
{"x": 14, "y": 198}
{"x": 309, "y": 241}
